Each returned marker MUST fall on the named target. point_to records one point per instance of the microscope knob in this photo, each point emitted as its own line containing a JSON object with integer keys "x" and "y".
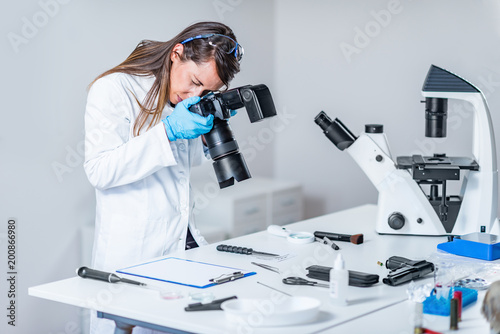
{"x": 396, "y": 220}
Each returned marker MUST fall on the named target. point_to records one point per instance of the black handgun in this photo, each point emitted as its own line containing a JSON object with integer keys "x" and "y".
{"x": 404, "y": 270}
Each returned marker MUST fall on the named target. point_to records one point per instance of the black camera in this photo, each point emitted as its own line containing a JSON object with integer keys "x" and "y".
{"x": 229, "y": 164}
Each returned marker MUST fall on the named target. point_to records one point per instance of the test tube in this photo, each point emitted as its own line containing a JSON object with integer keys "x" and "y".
{"x": 443, "y": 280}
{"x": 418, "y": 318}
{"x": 454, "y": 314}
{"x": 458, "y": 296}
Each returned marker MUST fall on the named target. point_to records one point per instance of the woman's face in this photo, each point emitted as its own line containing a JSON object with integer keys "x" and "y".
{"x": 189, "y": 79}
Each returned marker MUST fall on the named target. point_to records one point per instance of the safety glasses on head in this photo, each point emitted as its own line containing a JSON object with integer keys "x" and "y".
{"x": 225, "y": 43}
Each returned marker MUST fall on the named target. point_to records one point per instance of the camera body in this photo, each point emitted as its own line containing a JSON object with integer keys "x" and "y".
{"x": 229, "y": 164}
{"x": 256, "y": 99}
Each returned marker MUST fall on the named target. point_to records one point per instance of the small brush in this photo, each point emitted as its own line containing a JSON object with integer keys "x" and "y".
{"x": 355, "y": 239}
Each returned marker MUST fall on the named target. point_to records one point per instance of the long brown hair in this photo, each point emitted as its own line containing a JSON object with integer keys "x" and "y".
{"x": 153, "y": 58}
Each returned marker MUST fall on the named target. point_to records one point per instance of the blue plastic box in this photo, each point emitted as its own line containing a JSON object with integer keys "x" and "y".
{"x": 482, "y": 246}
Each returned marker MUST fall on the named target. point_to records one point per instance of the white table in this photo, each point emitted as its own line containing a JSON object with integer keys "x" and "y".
{"x": 380, "y": 308}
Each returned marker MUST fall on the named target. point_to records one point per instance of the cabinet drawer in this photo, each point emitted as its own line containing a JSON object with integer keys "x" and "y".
{"x": 287, "y": 200}
{"x": 248, "y": 227}
{"x": 251, "y": 208}
{"x": 287, "y": 217}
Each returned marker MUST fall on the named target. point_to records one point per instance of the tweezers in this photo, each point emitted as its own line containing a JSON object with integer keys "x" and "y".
{"x": 265, "y": 266}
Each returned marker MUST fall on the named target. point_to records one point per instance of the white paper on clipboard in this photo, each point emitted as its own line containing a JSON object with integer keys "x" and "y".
{"x": 181, "y": 271}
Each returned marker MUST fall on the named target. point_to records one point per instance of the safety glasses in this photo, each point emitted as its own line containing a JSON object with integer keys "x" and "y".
{"x": 225, "y": 43}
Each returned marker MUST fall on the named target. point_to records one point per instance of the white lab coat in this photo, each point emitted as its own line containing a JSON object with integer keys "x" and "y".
{"x": 144, "y": 201}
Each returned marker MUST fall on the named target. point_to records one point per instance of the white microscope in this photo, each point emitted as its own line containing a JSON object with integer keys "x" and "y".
{"x": 403, "y": 206}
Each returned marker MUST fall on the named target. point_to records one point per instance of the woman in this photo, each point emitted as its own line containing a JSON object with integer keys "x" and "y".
{"x": 141, "y": 142}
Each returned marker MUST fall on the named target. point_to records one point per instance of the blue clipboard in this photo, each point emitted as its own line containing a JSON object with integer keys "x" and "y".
{"x": 186, "y": 272}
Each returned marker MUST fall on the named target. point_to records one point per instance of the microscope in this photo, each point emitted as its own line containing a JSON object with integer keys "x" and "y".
{"x": 404, "y": 207}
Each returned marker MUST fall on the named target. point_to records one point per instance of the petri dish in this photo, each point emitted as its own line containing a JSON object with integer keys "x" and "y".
{"x": 170, "y": 295}
{"x": 202, "y": 297}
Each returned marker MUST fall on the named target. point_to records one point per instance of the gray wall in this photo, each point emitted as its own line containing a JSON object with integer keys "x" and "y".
{"x": 388, "y": 46}
{"x": 293, "y": 46}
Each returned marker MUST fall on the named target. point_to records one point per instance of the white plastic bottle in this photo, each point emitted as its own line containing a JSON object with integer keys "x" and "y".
{"x": 339, "y": 281}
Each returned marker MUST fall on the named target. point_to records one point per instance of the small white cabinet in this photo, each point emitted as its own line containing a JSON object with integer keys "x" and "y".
{"x": 250, "y": 206}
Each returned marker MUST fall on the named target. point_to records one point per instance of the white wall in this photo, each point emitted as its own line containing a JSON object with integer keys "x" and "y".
{"x": 379, "y": 82}
{"x": 44, "y": 82}
{"x": 293, "y": 46}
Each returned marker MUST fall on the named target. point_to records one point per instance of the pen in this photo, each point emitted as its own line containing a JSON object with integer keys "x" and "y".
{"x": 327, "y": 241}
{"x": 85, "y": 272}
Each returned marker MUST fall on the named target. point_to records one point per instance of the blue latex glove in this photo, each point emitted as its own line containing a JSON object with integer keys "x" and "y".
{"x": 232, "y": 112}
{"x": 183, "y": 124}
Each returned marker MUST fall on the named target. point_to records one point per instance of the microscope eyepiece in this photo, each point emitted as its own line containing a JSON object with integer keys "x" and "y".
{"x": 334, "y": 130}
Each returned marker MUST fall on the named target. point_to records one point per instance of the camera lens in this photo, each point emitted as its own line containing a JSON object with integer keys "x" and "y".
{"x": 220, "y": 139}
{"x": 229, "y": 168}
{"x": 228, "y": 164}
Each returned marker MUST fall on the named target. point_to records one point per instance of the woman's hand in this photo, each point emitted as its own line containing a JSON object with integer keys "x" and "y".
{"x": 183, "y": 124}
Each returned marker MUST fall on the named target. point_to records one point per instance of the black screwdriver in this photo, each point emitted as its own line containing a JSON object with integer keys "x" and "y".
{"x": 104, "y": 276}
{"x": 241, "y": 250}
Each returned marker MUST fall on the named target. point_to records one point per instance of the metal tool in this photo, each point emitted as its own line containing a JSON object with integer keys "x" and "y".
{"x": 413, "y": 197}
{"x": 242, "y": 250}
{"x": 270, "y": 287}
{"x": 302, "y": 281}
{"x": 227, "y": 278}
{"x": 85, "y": 272}
{"x": 266, "y": 266}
